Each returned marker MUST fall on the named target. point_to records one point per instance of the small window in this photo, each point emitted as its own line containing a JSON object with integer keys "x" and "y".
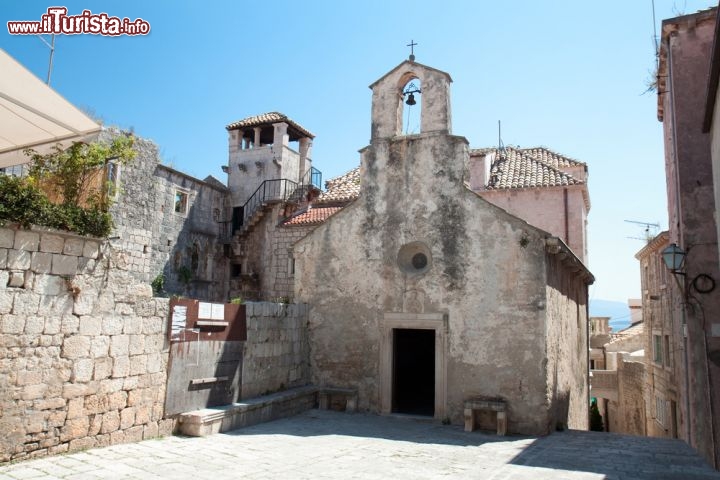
{"x": 666, "y": 351}
{"x": 112, "y": 177}
{"x": 592, "y": 364}
{"x": 291, "y": 266}
{"x": 181, "y": 202}
{"x": 235, "y": 270}
{"x": 658, "y": 349}
{"x": 661, "y": 411}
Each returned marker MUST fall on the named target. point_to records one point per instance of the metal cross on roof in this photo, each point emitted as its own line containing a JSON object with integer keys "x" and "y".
{"x": 412, "y": 50}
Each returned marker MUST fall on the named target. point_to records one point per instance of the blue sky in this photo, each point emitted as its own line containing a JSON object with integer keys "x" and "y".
{"x": 569, "y": 75}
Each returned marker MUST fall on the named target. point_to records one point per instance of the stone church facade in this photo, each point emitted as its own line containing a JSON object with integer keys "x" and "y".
{"x": 423, "y": 294}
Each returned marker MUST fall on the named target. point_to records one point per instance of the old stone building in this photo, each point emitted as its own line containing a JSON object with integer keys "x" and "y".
{"x": 423, "y": 294}
{"x": 693, "y": 303}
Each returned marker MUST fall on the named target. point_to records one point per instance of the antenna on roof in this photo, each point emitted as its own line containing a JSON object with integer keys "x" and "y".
{"x": 501, "y": 145}
{"x": 651, "y": 230}
{"x": 51, "y": 46}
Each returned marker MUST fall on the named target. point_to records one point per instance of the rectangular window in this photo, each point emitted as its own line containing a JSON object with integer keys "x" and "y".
{"x": 291, "y": 266}
{"x": 661, "y": 411}
{"x": 181, "y": 202}
{"x": 235, "y": 270}
{"x": 112, "y": 176}
{"x": 592, "y": 364}
{"x": 657, "y": 349}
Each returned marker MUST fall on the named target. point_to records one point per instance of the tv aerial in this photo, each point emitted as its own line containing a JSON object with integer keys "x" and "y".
{"x": 650, "y": 231}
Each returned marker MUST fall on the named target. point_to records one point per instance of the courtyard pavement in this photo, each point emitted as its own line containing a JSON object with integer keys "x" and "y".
{"x": 322, "y": 444}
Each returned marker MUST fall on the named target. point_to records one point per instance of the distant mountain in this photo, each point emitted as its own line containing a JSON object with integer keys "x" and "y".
{"x": 618, "y": 312}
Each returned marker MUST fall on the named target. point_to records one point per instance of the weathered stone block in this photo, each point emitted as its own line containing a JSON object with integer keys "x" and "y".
{"x": 51, "y": 243}
{"x": 82, "y": 444}
{"x": 150, "y": 430}
{"x": 117, "y": 437}
{"x": 130, "y": 383}
{"x": 48, "y": 284}
{"x": 74, "y": 247}
{"x": 119, "y": 345}
{"x": 105, "y": 302}
{"x": 77, "y": 346}
{"x": 71, "y": 391}
{"x": 76, "y": 407}
{"x": 25, "y": 240}
{"x": 83, "y": 370}
{"x": 29, "y": 377}
{"x": 117, "y": 400}
{"x": 35, "y": 422}
{"x": 111, "y": 385}
{"x": 121, "y": 366}
{"x": 154, "y": 362}
{"x": 3, "y": 258}
{"x": 90, "y": 325}
{"x": 63, "y": 304}
{"x": 145, "y": 307}
{"x": 166, "y": 427}
{"x": 99, "y": 346}
{"x": 64, "y": 265}
{"x": 49, "y": 404}
{"x": 31, "y": 392}
{"x": 110, "y": 422}
{"x": 70, "y": 324}
{"x": 138, "y": 364}
{"x": 84, "y": 301}
{"x": 41, "y": 262}
{"x": 137, "y": 344}
{"x": 112, "y": 325}
{"x": 34, "y": 325}
{"x": 142, "y": 414}
{"x": 7, "y": 238}
{"x": 19, "y": 259}
{"x": 91, "y": 249}
{"x": 152, "y": 325}
{"x": 134, "y": 434}
{"x": 103, "y": 368}
{"x": 133, "y": 325}
{"x": 6, "y": 301}
{"x": 57, "y": 419}
{"x": 12, "y": 324}
{"x": 26, "y": 303}
{"x": 127, "y": 418}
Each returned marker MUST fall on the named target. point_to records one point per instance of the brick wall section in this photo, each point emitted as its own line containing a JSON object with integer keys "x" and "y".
{"x": 276, "y": 353}
{"x": 82, "y": 349}
{"x": 627, "y": 415}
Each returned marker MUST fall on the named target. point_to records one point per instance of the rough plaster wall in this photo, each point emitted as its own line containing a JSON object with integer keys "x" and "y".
{"x": 247, "y": 170}
{"x": 276, "y": 351}
{"x": 567, "y": 347}
{"x": 82, "y": 346}
{"x": 544, "y": 208}
{"x": 689, "y": 173}
{"x": 481, "y": 259}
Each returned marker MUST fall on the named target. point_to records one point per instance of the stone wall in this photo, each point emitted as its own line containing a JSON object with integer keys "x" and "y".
{"x": 157, "y": 239}
{"x": 82, "y": 346}
{"x": 282, "y": 274}
{"x": 276, "y": 352}
{"x": 627, "y": 415}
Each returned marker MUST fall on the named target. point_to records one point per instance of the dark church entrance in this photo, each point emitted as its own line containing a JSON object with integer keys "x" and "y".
{"x": 414, "y": 371}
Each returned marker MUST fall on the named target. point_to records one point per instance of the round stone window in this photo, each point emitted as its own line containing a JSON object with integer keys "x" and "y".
{"x": 414, "y": 258}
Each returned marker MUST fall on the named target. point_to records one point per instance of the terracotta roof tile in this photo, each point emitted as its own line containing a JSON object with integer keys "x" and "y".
{"x": 514, "y": 168}
{"x": 342, "y": 189}
{"x": 268, "y": 119}
{"x": 553, "y": 159}
{"x": 313, "y": 216}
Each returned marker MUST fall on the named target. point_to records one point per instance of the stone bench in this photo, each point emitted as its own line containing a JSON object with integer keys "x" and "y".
{"x": 208, "y": 421}
{"x": 349, "y": 396}
{"x": 473, "y": 405}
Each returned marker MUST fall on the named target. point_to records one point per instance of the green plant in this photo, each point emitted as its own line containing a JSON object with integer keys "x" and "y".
{"x": 72, "y": 174}
{"x": 185, "y": 275}
{"x": 596, "y": 420}
{"x": 237, "y": 301}
{"x": 158, "y": 285}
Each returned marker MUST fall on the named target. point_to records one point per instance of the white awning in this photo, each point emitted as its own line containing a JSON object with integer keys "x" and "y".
{"x": 33, "y": 115}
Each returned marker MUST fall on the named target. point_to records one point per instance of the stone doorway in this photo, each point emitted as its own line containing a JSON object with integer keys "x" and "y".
{"x": 413, "y": 371}
{"x": 430, "y": 330}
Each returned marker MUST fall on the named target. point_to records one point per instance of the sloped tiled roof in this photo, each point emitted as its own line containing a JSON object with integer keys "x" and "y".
{"x": 514, "y": 168}
{"x": 341, "y": 189}
{"x": 268, "y": 119}
{"x": 635, "y": 329}
{"x": 313, "y": 216}
{"x": 553, "y": 159}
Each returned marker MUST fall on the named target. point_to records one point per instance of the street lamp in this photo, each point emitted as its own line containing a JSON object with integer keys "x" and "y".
{"x": 674, "y": 258}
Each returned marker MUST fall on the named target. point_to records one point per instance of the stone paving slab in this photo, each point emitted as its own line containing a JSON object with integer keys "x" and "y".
{"x": 321, "y": 444}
